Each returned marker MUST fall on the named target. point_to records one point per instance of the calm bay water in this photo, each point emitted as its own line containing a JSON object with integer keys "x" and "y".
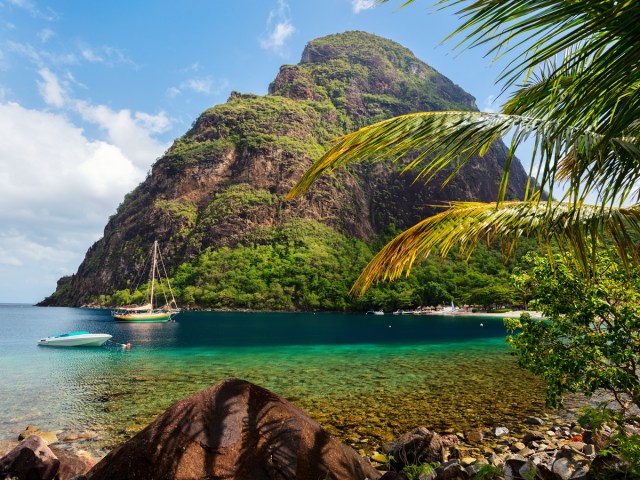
{"x": 365, "y": 378}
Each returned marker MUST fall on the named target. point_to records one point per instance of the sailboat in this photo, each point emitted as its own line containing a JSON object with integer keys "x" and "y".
{"x": 149, "y": 312}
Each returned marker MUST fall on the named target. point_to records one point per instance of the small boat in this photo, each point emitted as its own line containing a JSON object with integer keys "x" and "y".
{"x": 375, "y": 312}
{"x": 148, "y": 313}
{"x": 75, "y": 339}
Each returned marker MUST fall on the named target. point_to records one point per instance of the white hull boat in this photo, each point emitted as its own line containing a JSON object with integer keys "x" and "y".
{"x": 75, "y": 339}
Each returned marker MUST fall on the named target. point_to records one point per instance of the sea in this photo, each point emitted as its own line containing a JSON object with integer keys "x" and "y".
{"x": 365, "y": 378}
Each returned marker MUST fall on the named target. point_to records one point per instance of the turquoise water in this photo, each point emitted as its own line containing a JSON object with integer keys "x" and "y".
{"x": 365, "y": 378}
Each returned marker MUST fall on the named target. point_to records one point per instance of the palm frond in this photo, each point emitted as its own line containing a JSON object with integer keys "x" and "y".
{"x": 465, "y": 224}
{"x": 444, "y": 139}
{"x": 601, "y": 38}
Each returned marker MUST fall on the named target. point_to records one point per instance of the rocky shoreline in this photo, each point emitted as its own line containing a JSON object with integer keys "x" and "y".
{"x": 208, "y": 434}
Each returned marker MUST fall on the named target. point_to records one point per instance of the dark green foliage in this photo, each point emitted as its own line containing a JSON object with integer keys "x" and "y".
{"x": 488, "y": 472}
{"x": 183, "y": 152}
{"x": 622, "y": 449}
{"x": 301, "y": 266}
{"x": 253, "y": 123}
{"x": 590, "y": 340}
{"x": 305, "y": 265}
{"x": 234, "y": 199}
{"x": 417, "y": 472}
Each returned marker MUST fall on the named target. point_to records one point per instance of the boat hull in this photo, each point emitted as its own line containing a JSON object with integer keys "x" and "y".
{"x": 86, "y": 340}
{"x": 142, "y": 317}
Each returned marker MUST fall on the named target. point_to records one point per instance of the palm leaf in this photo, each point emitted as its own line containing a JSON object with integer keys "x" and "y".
{"x": 465, "y": 224}
{"x": 443, "y": 139}
{"x": 601, "y": 35}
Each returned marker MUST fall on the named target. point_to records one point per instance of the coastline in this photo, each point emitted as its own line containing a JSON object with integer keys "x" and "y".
{"x": 511, "y": 314}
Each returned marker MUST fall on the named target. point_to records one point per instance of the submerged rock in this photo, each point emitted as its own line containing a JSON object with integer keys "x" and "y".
{"x": 233, "y": 430}
{"x": 47, "y": 437}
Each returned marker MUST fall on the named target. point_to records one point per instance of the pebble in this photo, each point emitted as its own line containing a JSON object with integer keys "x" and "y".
{"x": 466, "y": 461}
{"x": 534, "y": 421}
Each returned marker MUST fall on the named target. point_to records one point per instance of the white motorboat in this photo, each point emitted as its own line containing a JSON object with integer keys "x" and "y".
{"x": 75, "y": 339}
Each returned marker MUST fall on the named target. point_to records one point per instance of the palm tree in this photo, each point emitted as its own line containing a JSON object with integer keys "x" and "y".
{"x": 576, "y": 69}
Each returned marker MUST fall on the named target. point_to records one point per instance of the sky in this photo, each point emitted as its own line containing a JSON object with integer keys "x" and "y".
{"x": 93, "y": 93}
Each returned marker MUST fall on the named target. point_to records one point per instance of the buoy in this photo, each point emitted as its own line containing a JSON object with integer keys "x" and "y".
{"x": 389, "y": 326}
{"x": 482, "y": 324}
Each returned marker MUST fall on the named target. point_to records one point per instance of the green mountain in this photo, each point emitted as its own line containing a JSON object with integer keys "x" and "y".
{"x": 215, "y": 202}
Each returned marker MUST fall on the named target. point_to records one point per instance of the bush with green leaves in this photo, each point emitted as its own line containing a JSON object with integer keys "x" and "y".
{"x": 590, "y": 338}
{"x": 416, "y": 472}
{"x": 621, "y": 454}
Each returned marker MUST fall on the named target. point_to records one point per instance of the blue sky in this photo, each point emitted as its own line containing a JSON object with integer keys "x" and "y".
{"x": 92, "y": 93}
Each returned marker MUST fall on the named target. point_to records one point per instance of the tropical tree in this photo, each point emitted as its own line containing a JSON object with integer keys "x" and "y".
{"x": 590, "y": 339}
{"x": 575, "y": 68}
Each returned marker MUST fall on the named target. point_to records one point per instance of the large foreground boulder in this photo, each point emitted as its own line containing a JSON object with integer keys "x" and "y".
{"x": 234, "y": 430}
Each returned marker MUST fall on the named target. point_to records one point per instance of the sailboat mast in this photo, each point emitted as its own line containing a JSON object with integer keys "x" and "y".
{"x": 153, "y": 270}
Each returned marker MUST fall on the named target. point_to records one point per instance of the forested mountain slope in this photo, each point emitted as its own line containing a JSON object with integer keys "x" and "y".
{"x": 215, "y": 202}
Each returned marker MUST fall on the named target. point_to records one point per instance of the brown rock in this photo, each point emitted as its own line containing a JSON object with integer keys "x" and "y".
{"x": 31, "y": 459}
{"x": 233, "y": 430}
{"x": 419, "y": 446}
{"x": 72, "y": 465}
{"x": 48, "y": 437}
{"x": 6, "y": 446}
{"x": 531, "y": 436}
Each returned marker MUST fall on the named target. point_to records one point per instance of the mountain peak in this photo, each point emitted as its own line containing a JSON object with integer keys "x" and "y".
{"x": 368, "y": 78}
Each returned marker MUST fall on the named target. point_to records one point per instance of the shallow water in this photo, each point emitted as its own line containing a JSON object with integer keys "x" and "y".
{"x": 365, "y": 378}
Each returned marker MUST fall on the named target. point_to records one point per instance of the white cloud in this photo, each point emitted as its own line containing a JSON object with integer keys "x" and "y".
{"x": 129, "y": 132}
{"x": 360, "y": 5}
{"x": 204, "y": 86}
{"x": 30, "y": 7}
{"x": 279, "y": 29}
{"x": 200, "y": 85}
{"x": 52, "y": 172}
{"x": 58, "y": 187}
{"x": 45, "y": 34}
{"x": 106, "y": 55}
{"x": 278, "y": 36}
{"x": 50, "y": 88}
{"x": 90, "y": 56}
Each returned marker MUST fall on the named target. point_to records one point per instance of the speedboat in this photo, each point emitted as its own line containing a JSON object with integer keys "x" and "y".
{"x": 75, "y": 339}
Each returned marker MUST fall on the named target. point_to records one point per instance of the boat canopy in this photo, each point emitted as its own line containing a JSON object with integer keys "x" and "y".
{"x": 141, "y": 308}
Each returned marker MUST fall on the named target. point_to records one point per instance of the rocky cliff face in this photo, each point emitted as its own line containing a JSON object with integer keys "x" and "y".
{"x": 221, "y": 185}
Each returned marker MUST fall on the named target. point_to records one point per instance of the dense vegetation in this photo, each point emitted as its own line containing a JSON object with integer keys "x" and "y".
{"x": 305, "y": 265}
{"x": 587, "y": 343}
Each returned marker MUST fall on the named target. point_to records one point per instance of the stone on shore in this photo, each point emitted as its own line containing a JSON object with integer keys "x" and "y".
{"x": 48, "y": 437}
{"x": 234, "y": 430}
{"x": 71, "y": 465}
{"x": 31, "y": 459}
{"x": 420, "y": 446}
